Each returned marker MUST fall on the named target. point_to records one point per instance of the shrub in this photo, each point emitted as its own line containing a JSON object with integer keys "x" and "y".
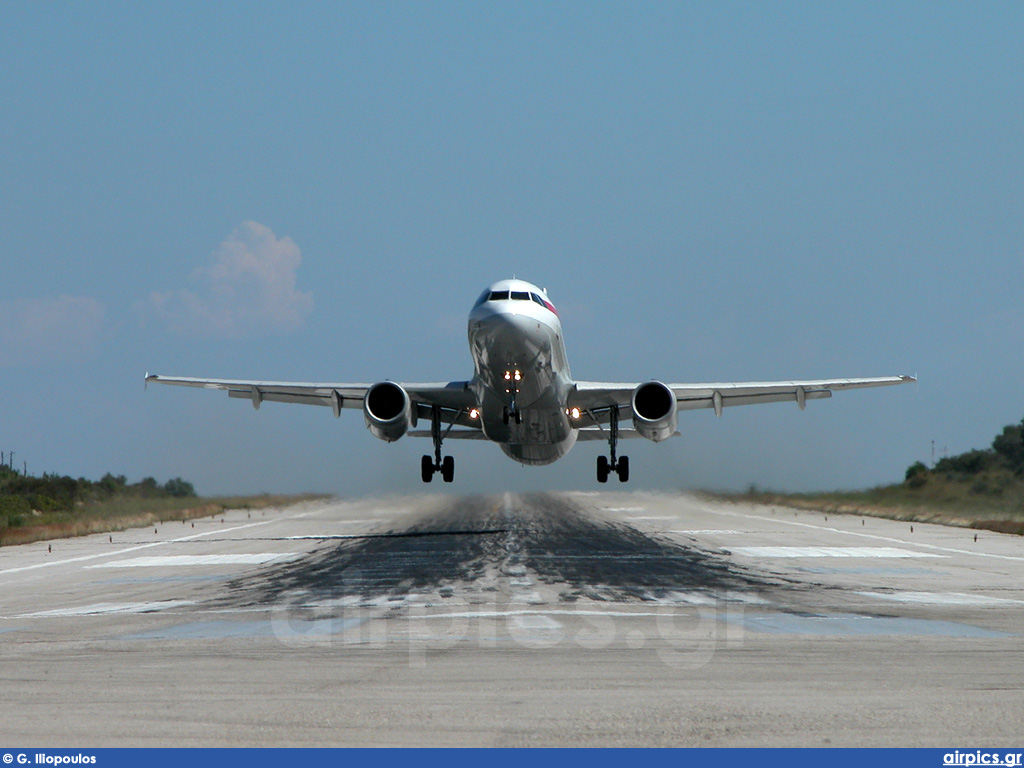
{"x": 917, "y": 475}
{"x": 970, "y": 463}
{"x": 1010, "y": 446}
{"x": 179, "y": 488}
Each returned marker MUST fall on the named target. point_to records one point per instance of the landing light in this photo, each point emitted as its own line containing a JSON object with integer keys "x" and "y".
{"x": 575, "y": 413}
{"x": 473, "y": 413}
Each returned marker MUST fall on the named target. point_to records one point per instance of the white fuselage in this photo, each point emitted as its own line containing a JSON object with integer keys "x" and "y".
{"x": 521, "y": 370}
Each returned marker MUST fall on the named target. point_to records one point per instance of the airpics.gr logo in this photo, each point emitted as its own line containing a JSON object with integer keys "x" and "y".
{"x": 982, "y": 758}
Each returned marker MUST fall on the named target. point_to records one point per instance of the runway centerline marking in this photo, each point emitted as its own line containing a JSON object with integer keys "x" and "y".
{"x": 713, "y": 511}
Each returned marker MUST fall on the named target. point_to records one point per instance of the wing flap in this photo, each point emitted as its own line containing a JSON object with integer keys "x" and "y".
{"x": 694, "y": 403}
{"x": 598, "y": 398}
{"x": 452, "y": 395}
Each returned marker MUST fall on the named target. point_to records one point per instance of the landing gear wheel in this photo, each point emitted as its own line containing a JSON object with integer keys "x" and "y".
{"x": 504, "y": 415}
{"x": 427, "y": 469}
{"x": 519, "y": 417}
{"x": 623, "y": 468}
{"x": 602, "y": 469}
{"x": 448, "y": 469}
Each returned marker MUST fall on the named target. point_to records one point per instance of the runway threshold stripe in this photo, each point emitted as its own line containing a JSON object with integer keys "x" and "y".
{"x": 192, "y": 560}
{"x": 84, "y": 558}
{"x": 708, "y": 532}
{"x": 941, "y": 598}
{"x": 778, "y": 520}
{"x": 796, "y": 552}
{"x": 104, "y": 608}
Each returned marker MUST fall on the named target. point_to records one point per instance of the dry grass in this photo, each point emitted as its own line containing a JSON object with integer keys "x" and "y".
{"x": 983, "y": 502}
{"x": 122, "y": 514}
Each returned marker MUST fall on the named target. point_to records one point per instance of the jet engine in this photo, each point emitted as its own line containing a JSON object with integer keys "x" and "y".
{"x": 654, "y": 411}
{"x": 388, "y": 411}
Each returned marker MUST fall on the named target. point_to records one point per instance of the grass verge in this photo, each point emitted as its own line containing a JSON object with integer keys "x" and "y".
{"x": 967, "y": 504}
{"x": 120, "y": 514}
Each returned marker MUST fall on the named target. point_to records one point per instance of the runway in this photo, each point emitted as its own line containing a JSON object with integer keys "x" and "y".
{"x": 576, "y": 619}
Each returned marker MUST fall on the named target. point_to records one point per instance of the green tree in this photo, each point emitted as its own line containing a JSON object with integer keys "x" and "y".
{"x": 179, "y": 488}
{"x": 1010, "y": 446}
{"x": 917, "y": 475}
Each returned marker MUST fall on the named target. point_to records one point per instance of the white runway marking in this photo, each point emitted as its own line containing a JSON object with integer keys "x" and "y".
{"x": 653, "y": 517}
{"x": 779, "y": 520}
{"x": 888, "y": 552}
{"x": 665, "y": 611}
{"x": 705, "y": 533}
{"x": 217, "y": 532}
{"x": 190, "y": 560}
{"x": 705, "y": 598}
{"x": 625, "y": 509}
{"x": 98, "y": 608}
{"x": 530, "y": 598}
{"x": 941, "y": 598}
{"x": 532, "y": 621}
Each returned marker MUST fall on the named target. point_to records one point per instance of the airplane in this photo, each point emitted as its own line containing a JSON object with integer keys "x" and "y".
{"x": 522, "y": 395}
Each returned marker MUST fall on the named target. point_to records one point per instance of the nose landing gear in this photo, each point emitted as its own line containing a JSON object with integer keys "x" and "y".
{"x": 605, "y": 464}
{"x": 510, "y": 412}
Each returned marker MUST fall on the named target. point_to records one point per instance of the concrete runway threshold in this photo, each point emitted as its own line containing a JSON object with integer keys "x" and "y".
{"x": 588, "y": 619}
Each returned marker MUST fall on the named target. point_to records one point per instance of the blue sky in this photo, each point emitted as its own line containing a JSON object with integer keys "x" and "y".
{"x": 709, "y": 191}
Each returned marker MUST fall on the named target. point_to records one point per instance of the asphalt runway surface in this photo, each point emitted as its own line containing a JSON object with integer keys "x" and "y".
{"x": 577, "y": 619}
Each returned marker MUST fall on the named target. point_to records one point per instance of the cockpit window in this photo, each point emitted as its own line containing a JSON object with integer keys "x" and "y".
{"x": 520, "y": 296}
{"x": 538, "y": 299}
{"x": 499, "y": 295}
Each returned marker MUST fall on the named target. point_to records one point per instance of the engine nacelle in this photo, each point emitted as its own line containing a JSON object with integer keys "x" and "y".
{"x": 388, "y": 411}
{"x": 654, "y": 411}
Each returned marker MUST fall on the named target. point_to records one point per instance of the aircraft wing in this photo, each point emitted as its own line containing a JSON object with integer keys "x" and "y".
{"x": 451, "y": 396}
{"x": 597, "y": 398}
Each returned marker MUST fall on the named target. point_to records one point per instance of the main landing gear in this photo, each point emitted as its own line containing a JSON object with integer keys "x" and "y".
{"x": 431, "y": 464}
{"x": 605, "y": 465}
{"x": 428, "y": 466}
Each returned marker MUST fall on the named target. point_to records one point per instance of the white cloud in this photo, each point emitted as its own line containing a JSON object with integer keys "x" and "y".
{"x": 251, "y": 286}
{"x": 52, "y": 328}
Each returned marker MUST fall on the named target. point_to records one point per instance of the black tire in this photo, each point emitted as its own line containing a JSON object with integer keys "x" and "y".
{"x": 427, "y": 469}
{"x": 623, "y": 469}
{"x": 448, "y": 469}
{"x": 602, "y": 469}
{"x": 504, "y": 415}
